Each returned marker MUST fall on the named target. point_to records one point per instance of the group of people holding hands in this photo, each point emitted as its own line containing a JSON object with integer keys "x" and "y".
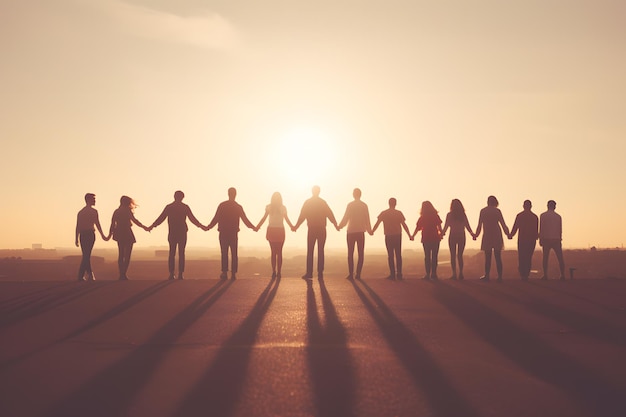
{"x": 316, "y": 212}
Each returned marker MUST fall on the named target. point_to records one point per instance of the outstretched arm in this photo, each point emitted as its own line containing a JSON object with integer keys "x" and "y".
{"x": 504, "y": 226}
{"x": 160, "y": 219}
{"x": 406, "y": 229}
{"x": 258, "y": 226}
{"x": 138, "y": 223}
{"x": 193, "y": 219}
{"x": 375, "y": 227}
{"x": 468, "y": 227}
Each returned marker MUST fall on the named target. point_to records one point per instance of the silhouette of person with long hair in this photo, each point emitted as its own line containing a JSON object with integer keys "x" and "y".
{"x": 86, "y": 222}
{"x": 527, "y": 223}
{"x": 315, "y": 211}
{"x": 357, "y": 217}
{"x": 275, "y": 235}
{"x": 429, "y": 223}
{"x": 227, "y": 218}
{"x": 550, "y": 236}
{"x": 176, "y": 214}
{"x": 456, "y": 220}
{"x": 491, "y": 219}
{"x": 393, "y": 222}
{"x": 121, "y": 230}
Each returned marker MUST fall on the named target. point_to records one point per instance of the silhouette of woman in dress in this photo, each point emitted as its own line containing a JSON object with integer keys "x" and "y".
{"x": 275, "y": 235}
{"x": 121, "y": 230}
{"x": 457, "y": 221}
{"x": 491, "y": 219}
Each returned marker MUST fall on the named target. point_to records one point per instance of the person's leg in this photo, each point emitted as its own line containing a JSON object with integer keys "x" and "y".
{"x": 279, "y": 257}
{"x": 360, "y": 244}
{"x": 120, "y": 258}
{"x": 487, "y": 263}
{"x": 435, "y": 259}
{"x": 398, "y": 250}
{"x": 546, "y": 256}
{"x": 273, "y": 256}
{"x": 452, "y": 245}
{"x": 224, "y": 252}
{"x": 520, "y": 258}
{"x": 321, "y": 242}
{"x": 498, "y": 255}
{"x": 427, "y": 258}
{"x": 310, "y": 246}
{"x": 558, "y": 250}
{"x": 351, "y": 241}
{"x": 234, "y": 244}
{"x": 182, "y": 245}
{"x": 171, "y": 257}
{"x": 459, "y": 253}
{"x": 390, "y": 254}
{"x": 127, "y": 250}
{"x": 87, "y": 240}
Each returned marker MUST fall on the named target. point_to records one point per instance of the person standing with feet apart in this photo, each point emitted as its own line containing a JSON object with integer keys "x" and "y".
{"x": 227, "y": 218}
{"x": 457, "y": 221}
{"x": 491, "y": 218}
{"x": 121, "y": 230}
{"x": 393, "y": 222}
{"x": 315, "y": 211}
{"x": 429, "y": 223}
{"x": 86, "y": 221}
{"x": 527, "y": 223}
{"x": 550, "y": 236}
{"x": 275, "y": 235}
{"x": 357, "y": 217}
{"x": 176, "y": 213}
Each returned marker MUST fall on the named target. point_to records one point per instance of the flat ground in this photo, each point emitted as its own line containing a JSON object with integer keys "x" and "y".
{"x": 262, "y": 347}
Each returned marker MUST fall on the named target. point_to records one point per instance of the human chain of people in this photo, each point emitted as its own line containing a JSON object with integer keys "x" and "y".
{"x": 530, "y": 228}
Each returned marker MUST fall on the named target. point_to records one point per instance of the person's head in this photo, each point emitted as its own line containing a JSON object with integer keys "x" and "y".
{"x": 179, "y": 195}
{"x": 127, "y": 202}
{"x": 90, "y": 199}
{"x": 232, "y": 193}
{"x": 457, "y": 206}
{"x": 492, "y": 201}
{"x": 528, "y": 205}
{"x": 316, "y": 190}
{"x": 356, "y": 193}
{"x": 277, "y": 199}
{"x": 427, "y": 208}
{"x": 392, "y": 202}
{"x": 551, "y": 205}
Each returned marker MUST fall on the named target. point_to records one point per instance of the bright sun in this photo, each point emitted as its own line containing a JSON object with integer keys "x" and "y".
{"x": 306, "y": 156}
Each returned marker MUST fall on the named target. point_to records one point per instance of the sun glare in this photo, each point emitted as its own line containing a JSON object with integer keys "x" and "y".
{"x": 306, "y": 156}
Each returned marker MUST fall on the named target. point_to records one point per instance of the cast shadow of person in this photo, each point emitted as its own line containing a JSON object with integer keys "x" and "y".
{"x": 112, "y": 391}
{"x": 583, "y": 385}
{"x": 219, "y": 389}
{"x": 444, "y": 398}
{"x": 115, "y": 311}
{"x": 330, "y": 363}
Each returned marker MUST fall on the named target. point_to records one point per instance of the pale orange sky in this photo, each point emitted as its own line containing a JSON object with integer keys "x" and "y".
{"x": 417, "y": 100}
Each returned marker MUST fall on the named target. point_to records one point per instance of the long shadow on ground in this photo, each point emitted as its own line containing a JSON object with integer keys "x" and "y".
{"x": 330, "y": 363}
{"x": 44, "y": 302}
{"x": 443, "y": 397}
{"x": 218, "y": 391}
{"x": 534, "y": 355}
{"x": 115, "y": 311}
{"x": 111, "y": 392}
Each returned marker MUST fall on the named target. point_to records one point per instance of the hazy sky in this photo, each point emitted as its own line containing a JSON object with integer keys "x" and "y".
{"x": 418, "y": 100}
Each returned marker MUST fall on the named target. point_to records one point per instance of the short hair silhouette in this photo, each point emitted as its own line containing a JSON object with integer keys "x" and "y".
{"x": 316, "y": 190}
{"x": 179, "y": 195}
{"x": 232, "y": 193}
{"x": 492, "y": 201}
{"x": 356, "y": 193}
{"x": 527, "y": 204}
{"x": 89, "y": 196}
{"x": 551, "y": 204}
{"x": 392, "y": 202}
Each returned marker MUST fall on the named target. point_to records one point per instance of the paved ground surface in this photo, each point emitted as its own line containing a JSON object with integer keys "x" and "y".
{"x": 261, "y": 347}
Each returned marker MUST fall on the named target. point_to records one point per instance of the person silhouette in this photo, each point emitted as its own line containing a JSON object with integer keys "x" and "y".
{"x": 393, "y": 222}
{"x": 491, "y": 218}
{"x": 315, "y": 211}
{"x": 429, "y": 223}
{"x": 121, "y": 230}
{"x": 527, "y": 223}
{"x": 227, "y": 218}
{"x": 357, "y": 218}
{"x": 276, "y": 212}
{"x": 456, "y": 220}
{"x": 176, "y": 214}
{"x": 550, "y": 236}
{"x": 86, "y": 221}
